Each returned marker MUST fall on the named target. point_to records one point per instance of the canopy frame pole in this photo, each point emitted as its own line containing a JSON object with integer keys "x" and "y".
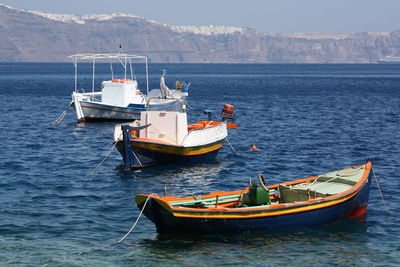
{"x": 147, "y": 77}
{"x": 112, "y": 71}
{"x": 125, "y": 68}
{"x": 133, "y": 76}
{"x": 75, "y": 62}
{"x": 94, "y": 70}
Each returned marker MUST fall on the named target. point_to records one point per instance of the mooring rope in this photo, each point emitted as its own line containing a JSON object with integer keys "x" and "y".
{"x": 101, "y": 162}
{"x": 134, "y": 154}
{"x": 379, "y": 189}
{"x": 137, "y": 220}
{"x": 227, "y": 140}
{"x": 61, "y": 117}
{"x": 196, "y": 112}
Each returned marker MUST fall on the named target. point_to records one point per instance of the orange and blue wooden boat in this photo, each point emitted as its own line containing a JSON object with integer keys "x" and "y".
{"x": 312, "y": 201}
{"x": 165, "y": 137}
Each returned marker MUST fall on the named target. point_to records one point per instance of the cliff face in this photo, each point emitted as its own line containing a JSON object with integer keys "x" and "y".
{"x": 35, "y": 36}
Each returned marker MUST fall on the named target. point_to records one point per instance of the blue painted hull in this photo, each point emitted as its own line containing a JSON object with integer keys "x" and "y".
{"x": 166, "y": 222}
{"x": 149, "y": 157}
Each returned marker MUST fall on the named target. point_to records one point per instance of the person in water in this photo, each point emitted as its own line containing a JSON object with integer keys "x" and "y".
{"x": 253, "y": 147}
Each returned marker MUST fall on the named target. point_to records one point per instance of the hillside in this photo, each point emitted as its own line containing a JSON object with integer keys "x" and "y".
{"x": 41, "y": 37}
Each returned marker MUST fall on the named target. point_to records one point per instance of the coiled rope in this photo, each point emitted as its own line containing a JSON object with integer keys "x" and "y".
{"x": 137, "y": 220}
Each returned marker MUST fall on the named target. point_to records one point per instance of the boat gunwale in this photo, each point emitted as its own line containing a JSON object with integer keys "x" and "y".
{"x": 270, "y": 210}
{"x": 138, "y": 106}
{"x": 209, "y": 126}
{"x": 187, "y": 147}
{"x": 163, "y": 143}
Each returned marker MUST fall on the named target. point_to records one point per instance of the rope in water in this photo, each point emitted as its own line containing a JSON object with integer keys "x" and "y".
{"x": 380, "y": 191}
{"x": 227, "y": 140}
{"x": 61, "y": 117}
{"x": 101, "y": 162}
{"x": 137, "y": 220}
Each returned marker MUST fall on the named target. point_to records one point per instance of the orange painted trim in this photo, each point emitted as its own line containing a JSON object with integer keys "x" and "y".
{"x": 120, "y": 80}
{"x": 148, "y": 140}
{"x": 171, "y": 149}
{"x": 267, "y": 212}
{"x": 271, "y": 210}
{"x": 203, "y": 124}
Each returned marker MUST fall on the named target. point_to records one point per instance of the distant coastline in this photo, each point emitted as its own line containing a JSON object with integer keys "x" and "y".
{"x": 389, "y": 60}
{"x": 34, "y": 36}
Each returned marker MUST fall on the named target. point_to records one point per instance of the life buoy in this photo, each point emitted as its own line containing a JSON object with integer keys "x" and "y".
{"x": 120, "y": 80}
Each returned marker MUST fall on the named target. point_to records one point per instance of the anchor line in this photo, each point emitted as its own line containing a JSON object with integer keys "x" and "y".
{"x": 227, "y": 140}
{"x": 187, "y": 104}
{"x": 61, "y": 117}
{"x": 380, "y": 191}
{"x": 134, "y": 154}
{"x": 137, "y": 220}
{"x": 105, "y": 157}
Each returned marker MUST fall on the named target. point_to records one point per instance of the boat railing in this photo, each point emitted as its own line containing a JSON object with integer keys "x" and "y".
{"x": 124, "y": 59}
{"x": 159, "y": 98}
{"x": 91, "y": 94}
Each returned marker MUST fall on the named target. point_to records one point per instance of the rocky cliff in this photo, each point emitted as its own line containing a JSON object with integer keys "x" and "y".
{"x": 36, "y": 36}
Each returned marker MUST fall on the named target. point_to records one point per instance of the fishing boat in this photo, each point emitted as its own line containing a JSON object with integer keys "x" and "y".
{"x": 311, "y": 201}
{"x": 119, "y": 99}
{"x": 165, "y": 137}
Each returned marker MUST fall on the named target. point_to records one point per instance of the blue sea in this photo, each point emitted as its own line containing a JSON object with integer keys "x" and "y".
{"x": 307, "y": 119}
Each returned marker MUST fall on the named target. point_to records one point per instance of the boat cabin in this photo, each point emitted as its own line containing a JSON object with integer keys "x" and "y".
{"x": 121, "y": 92}
{"x": 169, "y": 127}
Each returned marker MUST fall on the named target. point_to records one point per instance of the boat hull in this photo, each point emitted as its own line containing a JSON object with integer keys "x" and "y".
{"x": 95, "y": 111}
{"x": 149, "y": 153}
{"x": 219, "y": 220}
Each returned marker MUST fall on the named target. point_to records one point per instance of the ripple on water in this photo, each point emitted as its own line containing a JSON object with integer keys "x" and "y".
{"x": 306, "y": 120}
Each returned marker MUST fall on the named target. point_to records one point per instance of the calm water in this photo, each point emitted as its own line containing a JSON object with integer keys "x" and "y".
{"x": 308, "y": 119}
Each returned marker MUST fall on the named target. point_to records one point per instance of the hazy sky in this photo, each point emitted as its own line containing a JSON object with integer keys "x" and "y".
{"x": 339, "y": 16}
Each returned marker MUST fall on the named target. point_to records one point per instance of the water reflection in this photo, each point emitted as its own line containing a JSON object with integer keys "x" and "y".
{"x": 317, "y": 242}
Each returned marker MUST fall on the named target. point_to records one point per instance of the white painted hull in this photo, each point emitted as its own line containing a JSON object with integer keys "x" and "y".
{"x": 87, "y": 111}
{"x": 206, "y": 135}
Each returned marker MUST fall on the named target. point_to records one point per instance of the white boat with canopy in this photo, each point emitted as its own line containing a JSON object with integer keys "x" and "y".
{"x": 119, "y": 97}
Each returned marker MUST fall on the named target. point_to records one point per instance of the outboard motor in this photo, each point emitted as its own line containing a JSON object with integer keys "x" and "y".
{"x": 257, "y": 194}
{"x": 227, "y": 112}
